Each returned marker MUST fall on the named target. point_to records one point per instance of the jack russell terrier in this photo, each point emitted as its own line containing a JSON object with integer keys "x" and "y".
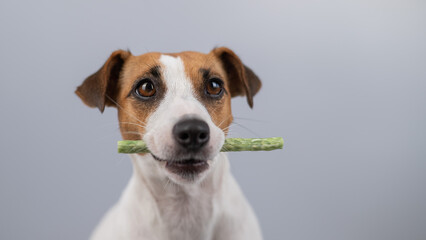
{"x": 180, "y": 105}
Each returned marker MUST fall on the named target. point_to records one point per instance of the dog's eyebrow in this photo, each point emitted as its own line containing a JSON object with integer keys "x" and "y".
{"x": 205, "y": 72}
{"x": 155, "y": 71}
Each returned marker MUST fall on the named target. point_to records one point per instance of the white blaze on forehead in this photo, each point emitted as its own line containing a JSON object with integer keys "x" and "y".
{"x": 174, "y": 75}
{"x": 179, "y": 100}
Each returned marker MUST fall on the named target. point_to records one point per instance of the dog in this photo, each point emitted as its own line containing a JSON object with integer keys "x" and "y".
{"x": 180, "y": 105}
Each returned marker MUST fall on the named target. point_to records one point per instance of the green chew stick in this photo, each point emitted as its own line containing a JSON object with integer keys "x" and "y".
{"x": 230, "y": 145}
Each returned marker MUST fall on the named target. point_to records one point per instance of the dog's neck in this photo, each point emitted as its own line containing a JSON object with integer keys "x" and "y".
{"x": 186, "y": 210}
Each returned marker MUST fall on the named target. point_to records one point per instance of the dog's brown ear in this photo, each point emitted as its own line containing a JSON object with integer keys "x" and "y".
{"x": 242, "y": 80}
{"x": 99, "y": 88}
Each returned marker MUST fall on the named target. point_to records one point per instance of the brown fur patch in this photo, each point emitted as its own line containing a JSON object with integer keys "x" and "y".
{"x": 133, "y": 112}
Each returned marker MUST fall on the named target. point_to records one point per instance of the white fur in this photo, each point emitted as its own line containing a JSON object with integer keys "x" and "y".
{"x": 179, "y": 101}
{"x": 158, "y": 205}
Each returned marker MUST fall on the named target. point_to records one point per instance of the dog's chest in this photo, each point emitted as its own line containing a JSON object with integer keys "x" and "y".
{"x": 188, "y": 217}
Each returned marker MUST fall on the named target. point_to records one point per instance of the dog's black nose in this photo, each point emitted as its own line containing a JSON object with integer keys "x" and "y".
{"x": 191, "y": 133}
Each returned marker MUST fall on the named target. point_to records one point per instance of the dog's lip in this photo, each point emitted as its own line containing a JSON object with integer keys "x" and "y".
{"x": 188, "y": 161}
{"x": 184, "y": 166}
{"x": 157, "y": 158}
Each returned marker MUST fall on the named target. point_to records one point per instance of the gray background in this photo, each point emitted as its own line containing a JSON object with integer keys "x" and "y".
{"x": 344, "y": 84}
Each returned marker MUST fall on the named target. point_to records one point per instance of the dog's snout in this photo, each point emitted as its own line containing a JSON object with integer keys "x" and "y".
{"x": 191, "y": 134}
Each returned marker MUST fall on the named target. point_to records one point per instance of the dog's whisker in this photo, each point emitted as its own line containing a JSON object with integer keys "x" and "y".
{"x": 223, "y": 121}
{"x": 225, "y": 148}
{"x": 134, "y": 133}
{"x": 228, "y": 127}
{"x": 250, "y": 119}
{"x": 232, "y": 133}
{"x": 106, "y": 124}
{"x": 142, "y": 126}
{"x": 124, "y": 110}
{"x": 167, "y": 184}
{"x": 246, "y": 128}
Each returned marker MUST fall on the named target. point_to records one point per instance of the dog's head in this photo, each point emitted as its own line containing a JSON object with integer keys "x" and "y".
{"x": 179, "y": 104}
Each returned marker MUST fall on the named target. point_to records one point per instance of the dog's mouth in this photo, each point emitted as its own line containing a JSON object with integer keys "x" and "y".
{"x": 186, "y": 167}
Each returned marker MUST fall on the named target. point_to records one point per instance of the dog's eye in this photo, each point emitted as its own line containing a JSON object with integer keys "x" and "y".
{"x": 145, "y": 88}
{"x": 214, "y": 87}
